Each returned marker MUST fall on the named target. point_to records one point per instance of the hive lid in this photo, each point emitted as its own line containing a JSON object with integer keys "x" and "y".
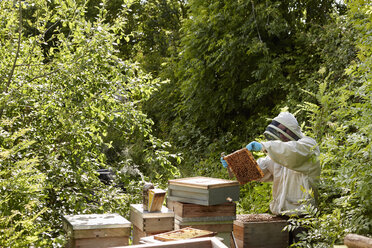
{"x": 95, "y": 221}
{"x": 203, "y": 182}
{"x": 164, "y": 212}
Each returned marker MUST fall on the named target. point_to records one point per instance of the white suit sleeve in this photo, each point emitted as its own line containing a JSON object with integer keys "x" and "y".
{"x": 293, "y": 154}
{"x": 267, "y": 167}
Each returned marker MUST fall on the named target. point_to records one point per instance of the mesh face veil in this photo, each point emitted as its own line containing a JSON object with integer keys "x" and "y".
{"x": 276, "y": 130}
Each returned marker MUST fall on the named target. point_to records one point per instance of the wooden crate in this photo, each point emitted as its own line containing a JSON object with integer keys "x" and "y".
{"x": 96, "y": 230}
{"x": 260, "y": 231}
{"x": 193, "y": 212}
{"x": 203, "y": 190}
{"x": 147, "y": 223}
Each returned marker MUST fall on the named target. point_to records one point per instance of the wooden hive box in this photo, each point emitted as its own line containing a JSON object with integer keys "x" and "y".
{"x": 188, "y": 212}
{"x": 260, "y": 231}
{"x": 215, "y": 218}
{"x": 204, "y": 191}
{"x": 96, "y": 230}
{"x": 244, "y": 166}
{"x": 147, "y": 223}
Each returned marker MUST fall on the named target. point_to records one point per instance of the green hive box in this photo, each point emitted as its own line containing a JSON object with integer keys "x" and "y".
{"x": 204, "y": 191}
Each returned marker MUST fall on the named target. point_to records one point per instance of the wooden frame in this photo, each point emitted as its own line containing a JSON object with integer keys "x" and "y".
{"x": 210, "y": 242}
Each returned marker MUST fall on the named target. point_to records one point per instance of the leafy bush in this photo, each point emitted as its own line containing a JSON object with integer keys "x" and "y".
{"x": 21, "y": 188}
{"x": 80, "y": 104}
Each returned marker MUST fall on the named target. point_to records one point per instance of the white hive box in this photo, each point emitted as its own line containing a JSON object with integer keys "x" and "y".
{"x": 204, "y": 191}
{"x": 96, "y": 230}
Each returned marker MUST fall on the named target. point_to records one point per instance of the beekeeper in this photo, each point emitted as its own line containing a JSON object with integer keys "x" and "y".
{"x": 291, "y": 163}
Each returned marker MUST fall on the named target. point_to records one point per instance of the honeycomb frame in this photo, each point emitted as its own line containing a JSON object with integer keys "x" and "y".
{"x": 244, "y": 166}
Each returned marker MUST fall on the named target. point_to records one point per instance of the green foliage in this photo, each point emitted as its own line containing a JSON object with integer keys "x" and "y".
{"x": 342, "y": 124}
{"x": 81, "y": 105}
{"x": 21, "y": 187}
{"x": 247, "y": 58}
{"x": 72, "y": 101}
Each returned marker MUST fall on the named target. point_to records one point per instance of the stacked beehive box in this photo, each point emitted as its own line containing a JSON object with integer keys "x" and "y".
{"x": 204, "y": 203}
{"x": 96, "y": 230}
{"x": 260, "y": 231}
{"x": 147, "y": 223}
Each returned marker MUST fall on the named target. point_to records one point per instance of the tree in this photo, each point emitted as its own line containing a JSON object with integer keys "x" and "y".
{"x": 341, "y": 122}
{"x": 75, "y": 97}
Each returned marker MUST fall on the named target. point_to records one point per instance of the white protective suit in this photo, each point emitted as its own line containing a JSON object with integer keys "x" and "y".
{"x": 294, "y": 169}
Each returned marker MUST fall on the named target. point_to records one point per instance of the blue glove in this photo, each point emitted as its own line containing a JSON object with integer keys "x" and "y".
{"x": 254, "y": 146}
{"x": 223, "y": 162}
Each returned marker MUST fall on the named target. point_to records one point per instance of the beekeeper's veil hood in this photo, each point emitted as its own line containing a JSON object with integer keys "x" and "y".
{"x": 291, "y": 129}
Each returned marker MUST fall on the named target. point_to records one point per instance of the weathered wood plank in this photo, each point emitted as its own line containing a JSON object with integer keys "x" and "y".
{"x": 100, "y": 242}
{"x": 158, "y": 224}
{"x": 101, "y": 233}
{"x": 188, "y": 210}
{"x": 215, "y": 226}
{"x": 189, "y": 243}
{"x": 206, "y": 219}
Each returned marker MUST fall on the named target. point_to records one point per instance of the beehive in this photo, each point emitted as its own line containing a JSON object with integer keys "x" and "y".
{"x": 260, "y": 231}
{"x": 244, "y": 166}
{"x": 96, "y": 230}
{"x": 147, "y": 223}
{"x": 214, "y": 218}
{"x": 204, "y": 191}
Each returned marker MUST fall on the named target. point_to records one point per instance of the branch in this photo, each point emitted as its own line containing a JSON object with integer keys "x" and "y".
{"x": 18, "y": 48}
{"x": 16, "y": 56}
{"x": 44, "y": 75}
{"x": 255, "y": 21}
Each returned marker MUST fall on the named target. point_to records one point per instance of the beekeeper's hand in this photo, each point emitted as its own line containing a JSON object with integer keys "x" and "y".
{"x": 254, "y": 146}
{"x": 223, "y": 162}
